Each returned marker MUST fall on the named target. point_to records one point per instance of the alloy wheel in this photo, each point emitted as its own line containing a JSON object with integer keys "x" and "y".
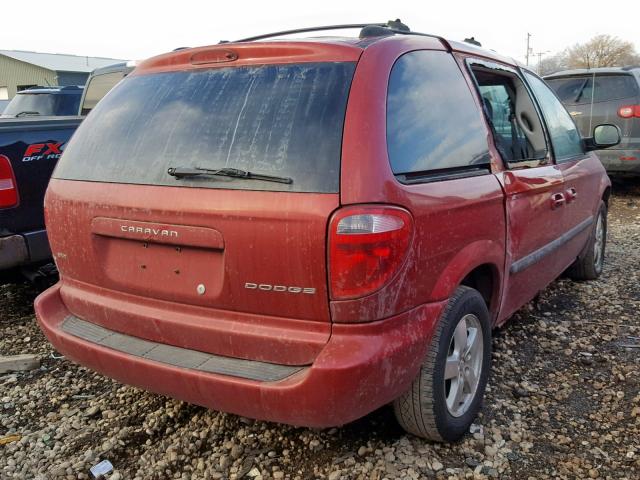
{"x": 463, "y": 365}
{"x": 598, "y": 244}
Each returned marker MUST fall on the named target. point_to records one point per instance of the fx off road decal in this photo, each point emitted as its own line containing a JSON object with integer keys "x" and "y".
{"x": 42, "y": 151}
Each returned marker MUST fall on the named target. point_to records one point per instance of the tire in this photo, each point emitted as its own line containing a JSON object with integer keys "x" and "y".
{"x": 423, "y": 409}
{"x": 589, "y": 264}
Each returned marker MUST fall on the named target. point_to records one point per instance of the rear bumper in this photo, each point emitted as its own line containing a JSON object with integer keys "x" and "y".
{"x": 621, "y": 162}
{"x": 361, "y": 368}
{"x": 23, "y": 249}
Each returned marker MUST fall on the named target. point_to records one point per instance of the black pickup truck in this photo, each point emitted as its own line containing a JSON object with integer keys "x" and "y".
{"x": 30, "y": 147}
{"x": 29, "y": 150}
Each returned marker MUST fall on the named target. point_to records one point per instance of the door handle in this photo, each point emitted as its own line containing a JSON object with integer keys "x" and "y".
{"x": 572, "y": 193}
{"x": 557, "y": 200}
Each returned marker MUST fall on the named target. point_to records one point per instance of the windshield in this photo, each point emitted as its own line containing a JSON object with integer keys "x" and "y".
{"x": 54, "y": 104}
{"x": 279, "y": 120}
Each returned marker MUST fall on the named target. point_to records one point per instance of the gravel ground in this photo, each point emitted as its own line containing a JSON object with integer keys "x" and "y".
{"x": 563, "y": 402}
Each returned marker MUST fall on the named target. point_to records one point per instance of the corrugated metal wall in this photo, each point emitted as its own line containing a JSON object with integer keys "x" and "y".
{"x": 14, "y": 73}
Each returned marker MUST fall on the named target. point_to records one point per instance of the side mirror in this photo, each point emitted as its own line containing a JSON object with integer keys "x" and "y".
{"x": 604, "y": 136}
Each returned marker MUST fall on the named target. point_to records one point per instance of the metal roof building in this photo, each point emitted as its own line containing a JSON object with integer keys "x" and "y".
{"x": 20, "y": 70}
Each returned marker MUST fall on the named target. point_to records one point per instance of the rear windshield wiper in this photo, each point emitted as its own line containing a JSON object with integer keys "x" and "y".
{"x": 184, "y": 172}
{"x": 579, "y": 94}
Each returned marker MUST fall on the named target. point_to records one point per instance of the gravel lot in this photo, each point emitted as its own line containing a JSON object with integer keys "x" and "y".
{"x": 563, "y": 402}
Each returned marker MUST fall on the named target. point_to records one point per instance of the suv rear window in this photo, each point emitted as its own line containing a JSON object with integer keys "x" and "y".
{"x": 578, "y": 90}
{"x": 283, "y": 120}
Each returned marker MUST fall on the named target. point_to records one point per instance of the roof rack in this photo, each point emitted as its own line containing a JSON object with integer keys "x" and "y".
{"x": 308, "y": 29}
{"x": 367, "y": 30}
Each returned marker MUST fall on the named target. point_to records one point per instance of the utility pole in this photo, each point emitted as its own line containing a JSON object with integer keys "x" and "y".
{"x": 528, "y": 48}
{"x": 540, "y": 54}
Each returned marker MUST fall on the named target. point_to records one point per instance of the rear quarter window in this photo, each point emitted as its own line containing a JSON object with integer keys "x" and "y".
{"x": 433, "y": 123}
{"x": 283, "y": 120}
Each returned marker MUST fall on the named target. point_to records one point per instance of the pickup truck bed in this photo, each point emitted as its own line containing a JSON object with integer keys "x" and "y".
{"x": 32, "y": 147}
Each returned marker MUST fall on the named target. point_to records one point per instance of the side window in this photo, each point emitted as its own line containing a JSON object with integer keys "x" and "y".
{"x": 433, "y": 123}
{"x": 498, "y": 107}
{"x": 514, "y": 120}
{"x": 97, "y": 88}
{"x": 566, "y": 140}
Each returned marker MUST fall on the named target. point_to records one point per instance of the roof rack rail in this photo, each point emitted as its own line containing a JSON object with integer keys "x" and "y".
{"x": 369, "y": 29}
{"x": 308, "y": 29}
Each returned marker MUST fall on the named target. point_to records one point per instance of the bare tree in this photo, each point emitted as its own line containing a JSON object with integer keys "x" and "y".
{"x": 553, "y": 64}
{"x": 601, "y": 51}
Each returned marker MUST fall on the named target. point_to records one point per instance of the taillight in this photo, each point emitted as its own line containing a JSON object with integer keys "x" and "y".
{"x": 367, "y": 247}
{"x": 629, "y": 111}
{"x": 8, "y": 188}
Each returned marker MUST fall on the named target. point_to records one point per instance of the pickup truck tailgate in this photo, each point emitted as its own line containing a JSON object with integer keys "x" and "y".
{"x": 33, "y": 147}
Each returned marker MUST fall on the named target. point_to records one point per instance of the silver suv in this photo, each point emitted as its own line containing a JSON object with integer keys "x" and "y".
{"x": 605, "y": 95}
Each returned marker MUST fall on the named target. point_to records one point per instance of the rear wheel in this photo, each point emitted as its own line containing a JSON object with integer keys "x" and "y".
{"x": 446, "y": 396}
{"x": 590, "y": 263}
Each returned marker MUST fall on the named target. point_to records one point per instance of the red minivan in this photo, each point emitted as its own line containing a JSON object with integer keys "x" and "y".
{"x": 303, "y": 231}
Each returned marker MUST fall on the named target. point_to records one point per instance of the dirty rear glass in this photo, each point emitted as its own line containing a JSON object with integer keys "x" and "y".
{"x": 283, "y": 120}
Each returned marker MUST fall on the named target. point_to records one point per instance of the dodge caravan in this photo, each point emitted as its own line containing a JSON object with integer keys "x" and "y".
{"x": 303, "y": 231}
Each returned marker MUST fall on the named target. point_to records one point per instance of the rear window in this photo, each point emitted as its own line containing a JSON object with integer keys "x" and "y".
{"x": 26, "y": 104}
{"x": 579, "y": 90}
{"x": 282, "y": 120}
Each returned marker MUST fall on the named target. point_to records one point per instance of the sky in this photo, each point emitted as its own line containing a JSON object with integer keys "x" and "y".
{"x": 138, "y": 29}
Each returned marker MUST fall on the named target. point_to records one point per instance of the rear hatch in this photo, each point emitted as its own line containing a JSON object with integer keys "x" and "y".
{"x": 596, "y": 99}
{"x": 239, "y": 248}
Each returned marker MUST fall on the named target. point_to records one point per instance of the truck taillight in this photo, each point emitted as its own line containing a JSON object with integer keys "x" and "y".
{"x": 629, "y": 111}
{"x": 8, "y": 188}
{"x": 367, "y": 247}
